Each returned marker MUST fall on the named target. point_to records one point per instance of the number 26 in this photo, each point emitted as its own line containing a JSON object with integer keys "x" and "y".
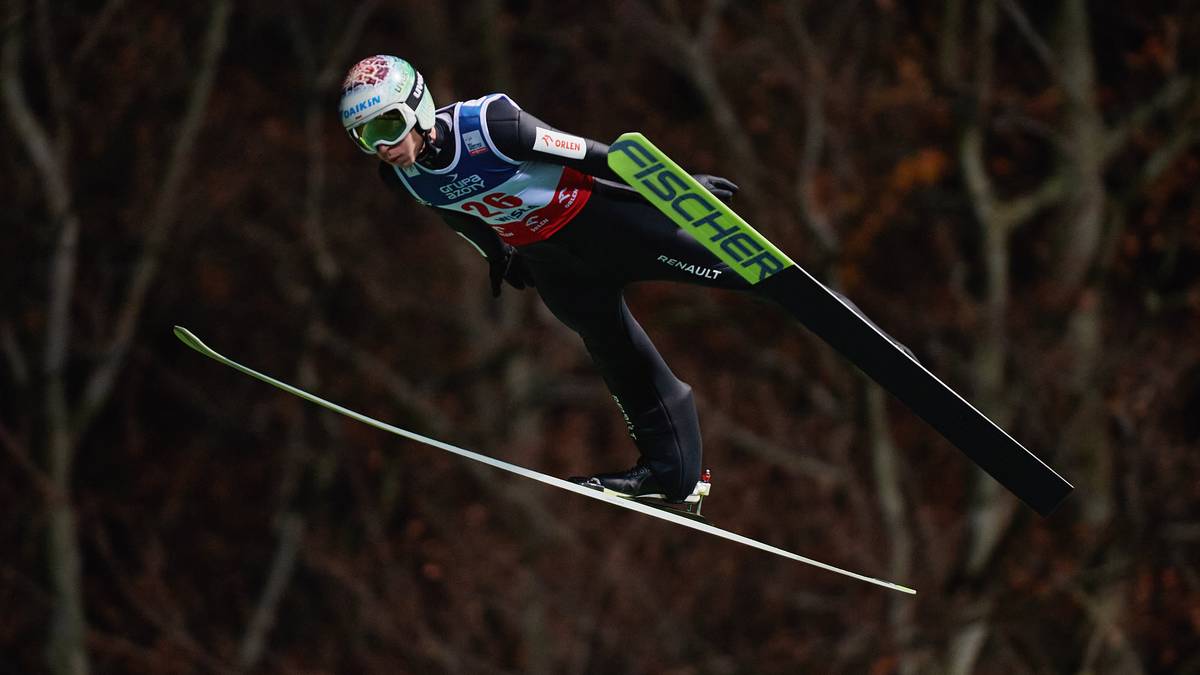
{"x": 497, "y": 200}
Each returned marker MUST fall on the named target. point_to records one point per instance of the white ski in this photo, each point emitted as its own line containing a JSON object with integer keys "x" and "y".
{"x": 188, "y": 338}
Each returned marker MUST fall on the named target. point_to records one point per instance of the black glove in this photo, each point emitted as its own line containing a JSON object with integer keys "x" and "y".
{"x": 511, "y": 268}
{"x": 722, "y": 188}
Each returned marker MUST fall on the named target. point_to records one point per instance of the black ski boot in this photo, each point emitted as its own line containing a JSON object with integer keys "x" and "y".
{"x": 639, "y": 484}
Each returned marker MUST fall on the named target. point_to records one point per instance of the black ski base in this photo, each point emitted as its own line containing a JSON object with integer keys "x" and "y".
{"x": 997, "y": 453}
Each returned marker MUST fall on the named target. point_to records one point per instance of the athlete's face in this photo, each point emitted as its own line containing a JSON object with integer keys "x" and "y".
{"x": 405, "y": 152}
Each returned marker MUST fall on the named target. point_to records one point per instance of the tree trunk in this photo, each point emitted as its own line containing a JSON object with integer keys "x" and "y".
{"x": 66, "y": 649}
{"x": 1085, "y": 150}
{"x": 892, "y": 509}
{"x": 66, "y": 422}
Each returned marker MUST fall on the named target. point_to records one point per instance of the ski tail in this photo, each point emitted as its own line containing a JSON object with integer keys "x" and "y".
{"x": 836, "y": 320}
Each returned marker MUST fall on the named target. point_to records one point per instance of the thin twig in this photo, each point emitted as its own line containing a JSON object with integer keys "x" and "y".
{"x": 97, "y": 28}
{"x": 291, "y": 533}
{"x": 1036, "y": 42}
{"x": 20, "y": 455}
{"x": 17, "y": 363}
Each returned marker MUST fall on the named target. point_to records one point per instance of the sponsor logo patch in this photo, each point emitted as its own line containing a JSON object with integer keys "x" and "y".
{"x": 536, "y": 222}
{"x": 474, "y": 142}
{"x": 567, "y": 197}
{"x": 361, "y": 107}
{"x": 558, "y": 143}
{"x": 414, "y": 97}
{"x": 459, "y": 188}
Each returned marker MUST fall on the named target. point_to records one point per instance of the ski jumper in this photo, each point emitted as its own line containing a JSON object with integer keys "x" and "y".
{"x": 500, "y": 176}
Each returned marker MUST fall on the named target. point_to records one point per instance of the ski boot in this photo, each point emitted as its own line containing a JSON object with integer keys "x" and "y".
{"x": 640, "y": 485}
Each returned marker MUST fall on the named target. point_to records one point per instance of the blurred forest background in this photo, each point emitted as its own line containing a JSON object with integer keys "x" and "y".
{"x": 1007, "y": 186}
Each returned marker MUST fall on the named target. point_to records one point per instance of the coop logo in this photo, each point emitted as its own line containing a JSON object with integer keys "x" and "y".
{"x": 354, "y": 110}
{"x": 696, "y": 210}
{"x": 558, "y": 143}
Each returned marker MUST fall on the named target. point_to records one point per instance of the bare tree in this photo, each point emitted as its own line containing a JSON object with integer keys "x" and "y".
{"x": 321, "y": 68}
{"x": 67, "y": 421}
{"x": 1085, "y": 146}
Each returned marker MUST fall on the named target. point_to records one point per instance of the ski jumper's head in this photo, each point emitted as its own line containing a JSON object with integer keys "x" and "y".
{"x": 387, "y": 109}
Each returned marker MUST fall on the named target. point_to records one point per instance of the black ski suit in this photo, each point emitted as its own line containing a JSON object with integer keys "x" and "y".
{"x": 580, "y": 272}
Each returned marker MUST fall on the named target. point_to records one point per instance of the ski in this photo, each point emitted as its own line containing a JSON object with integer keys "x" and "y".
{"x": 189, "y": 339}
{"x": 711, "y": 222}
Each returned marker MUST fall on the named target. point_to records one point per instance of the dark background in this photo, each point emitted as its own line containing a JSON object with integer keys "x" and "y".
{"x": 1007, "y": 186}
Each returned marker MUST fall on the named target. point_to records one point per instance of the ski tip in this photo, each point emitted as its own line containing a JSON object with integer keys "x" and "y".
{"x": 185, "y": 335}
{"x": 189, "y": 338}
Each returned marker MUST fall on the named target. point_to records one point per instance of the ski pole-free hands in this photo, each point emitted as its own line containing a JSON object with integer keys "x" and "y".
{"x": 722, "y": 188}
{"x": 508, "y": 267}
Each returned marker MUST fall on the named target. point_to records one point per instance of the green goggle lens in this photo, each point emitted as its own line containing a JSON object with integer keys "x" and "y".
{"x": 388, "y": 128}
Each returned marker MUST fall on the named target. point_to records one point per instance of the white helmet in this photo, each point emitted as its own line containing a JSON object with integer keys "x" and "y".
{"x": 384, "y": 98}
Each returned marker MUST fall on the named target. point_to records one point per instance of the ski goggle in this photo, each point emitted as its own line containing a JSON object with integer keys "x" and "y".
{"x": 388, "y": 128}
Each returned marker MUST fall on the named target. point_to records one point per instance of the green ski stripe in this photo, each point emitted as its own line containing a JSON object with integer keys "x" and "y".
{"x": 694, "y": 209}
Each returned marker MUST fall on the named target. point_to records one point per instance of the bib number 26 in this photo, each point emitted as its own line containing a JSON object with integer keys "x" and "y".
{"x": 496, "y": 200}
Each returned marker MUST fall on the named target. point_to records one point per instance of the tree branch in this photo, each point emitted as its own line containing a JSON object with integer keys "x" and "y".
{"x": 56, "y": 84}
{"x": 161, "y": 219}
{"x": 752, "y": 442}
{"x": 335, "y": 62}
{"x": 320, "y": 77}
{"x": 1105, "y": 611}
{"x": 1012, "y": 213}
{"x": 404, "y": 392}
{"x": 98, "y": 26}
{"x": 17, "y": 363}
{"x": 1168, "y": 153}
{"x": 978, "y": 183}
{"x": 814, "y": 132}
{"x": 291, "y": 533}
{"x": 149, "y": 596}
{"x": 1036, "y": 42}
{"x": 691, "y": 56}
{"x": 1172, "y": 94}
{"x": 888, "y": 482}
{"x": 20, "y": 455}
{"x": 37, "y": 142}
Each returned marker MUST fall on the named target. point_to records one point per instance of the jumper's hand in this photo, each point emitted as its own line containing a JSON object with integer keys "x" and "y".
{"x": 722, "y": 188}
{"x": 510, "y": 268}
